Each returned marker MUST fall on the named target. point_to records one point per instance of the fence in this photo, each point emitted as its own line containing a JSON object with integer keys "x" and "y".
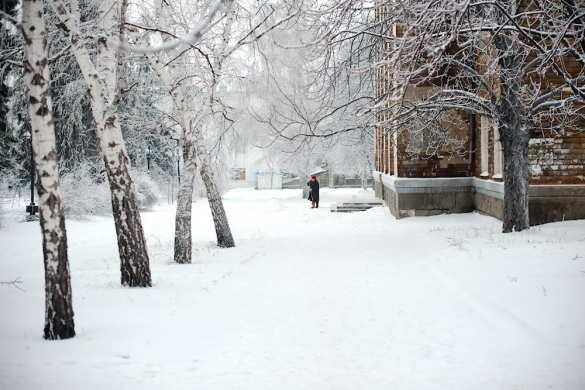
{"x": 268, "y": 180}
{"x": 276, "y": 180}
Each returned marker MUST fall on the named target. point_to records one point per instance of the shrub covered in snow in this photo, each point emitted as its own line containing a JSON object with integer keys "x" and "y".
{"x": 148, "y": 192}
{"x": 85, "y": 191}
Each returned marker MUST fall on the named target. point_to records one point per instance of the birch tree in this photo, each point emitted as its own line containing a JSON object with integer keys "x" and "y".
{"x": 59, "y": 322}
{"x": 181, "y": 115}
{"x": 232, "y": 37}
{"x": 105, "y": 87}
{"x": 189, "y": 75}
{"x": 9, "y": 64}
{"x": 220, "y": 220}
{"x": 179, "y": 73}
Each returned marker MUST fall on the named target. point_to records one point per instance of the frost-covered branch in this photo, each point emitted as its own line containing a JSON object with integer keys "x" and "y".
{"x": 192, "y": 38}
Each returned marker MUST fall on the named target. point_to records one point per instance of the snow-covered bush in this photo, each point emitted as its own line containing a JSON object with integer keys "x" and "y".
{"x": 147, "y": 190}
{"x": 85, "y": 191}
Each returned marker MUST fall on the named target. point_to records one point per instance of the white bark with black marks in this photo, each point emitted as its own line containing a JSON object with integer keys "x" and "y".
{"x": 102, "y": 79}
{"x": 183, "y": 236}
{"x": 220, "y": 220}
{"x": 59, "y": 322}
{"x": 194, "y": 150}
{"x": 183, "y": 215}
{"x": 222, "y": 226}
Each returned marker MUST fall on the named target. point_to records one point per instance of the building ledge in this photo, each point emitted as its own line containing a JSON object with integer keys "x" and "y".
{"x": 488, "y": 187}
{"x": 556, "y": 190}
{"x": 425, "y": 184}
{"x": 407, "y": 197}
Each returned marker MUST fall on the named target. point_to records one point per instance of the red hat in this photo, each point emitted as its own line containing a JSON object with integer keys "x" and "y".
{"x": 313, "y": 177}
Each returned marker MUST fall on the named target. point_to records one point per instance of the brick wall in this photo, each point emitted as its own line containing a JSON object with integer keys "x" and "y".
{"x": 419, "y": 157}
{"x": 553, "y": 158}
{"x": 558, "y": 159}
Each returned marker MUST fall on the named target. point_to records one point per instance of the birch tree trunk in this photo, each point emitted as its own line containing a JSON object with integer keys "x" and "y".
{"x": 102, "y": 79}
{"x": 183, "y": 214}
{"x": 222, "y": 227}
{"x": 193, "y": 148}
{"x": 514, "y": 135}
{"x": 134, "y": 261}
{"x": 183, "y": 239}
{"x": 220, "y": 221}
{"x": 59, "y": 322}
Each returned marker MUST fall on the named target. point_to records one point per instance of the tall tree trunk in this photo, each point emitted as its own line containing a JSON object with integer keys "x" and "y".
{"x": 105, "y": 89}
{"x": 222, "y": 227}
{"x": 183, "y": 236}
{"x": 514, "y": 133}
{"x": 134, "y": 261}
{"x": 183, "y": 239}
{"x": 220, "y": 221}
{"x": 58, "y": 298}
{"x": 515, "y": 147}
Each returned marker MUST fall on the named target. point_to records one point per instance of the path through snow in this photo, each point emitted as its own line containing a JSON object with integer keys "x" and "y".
{"x": 307, "y": 300}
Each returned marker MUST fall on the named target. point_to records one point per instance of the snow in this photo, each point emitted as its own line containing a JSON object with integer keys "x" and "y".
{"x": 308, "y": 299}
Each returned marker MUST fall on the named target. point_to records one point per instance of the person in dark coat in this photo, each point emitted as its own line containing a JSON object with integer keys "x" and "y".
{"x": 313, "y": 185}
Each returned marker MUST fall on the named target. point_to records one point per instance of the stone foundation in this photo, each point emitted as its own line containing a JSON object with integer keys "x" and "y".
{"x": 408, "y": 197}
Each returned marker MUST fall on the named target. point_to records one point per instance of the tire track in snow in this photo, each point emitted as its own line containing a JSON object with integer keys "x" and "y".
{"x": 227, "y": 274}
{"x": 493, "y": 315}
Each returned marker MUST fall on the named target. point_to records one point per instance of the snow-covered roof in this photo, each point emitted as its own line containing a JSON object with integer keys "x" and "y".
{"x": 318, "y": 171}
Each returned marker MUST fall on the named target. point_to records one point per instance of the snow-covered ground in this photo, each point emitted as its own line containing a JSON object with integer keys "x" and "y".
{"x": 308, "y": 299}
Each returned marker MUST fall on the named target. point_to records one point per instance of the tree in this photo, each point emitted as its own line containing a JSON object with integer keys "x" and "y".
{"x": 192, "y": 78}
{"x": 181, "y": 115}
{"x": 59, "y": 322}
{"x": 11, "y": 155}
{"x": 105, "y": 87}
{"x": 520, "y": 64}
{"x": 232, "y": 37}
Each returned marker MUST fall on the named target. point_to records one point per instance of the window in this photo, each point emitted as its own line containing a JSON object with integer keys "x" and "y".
{"x": 484, "y": 141}
{"x": 497, "y": 154}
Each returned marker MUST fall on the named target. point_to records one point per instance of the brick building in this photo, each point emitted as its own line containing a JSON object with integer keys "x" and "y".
{"x": 465, "y": 173}
{"x": 413, "y": 185}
